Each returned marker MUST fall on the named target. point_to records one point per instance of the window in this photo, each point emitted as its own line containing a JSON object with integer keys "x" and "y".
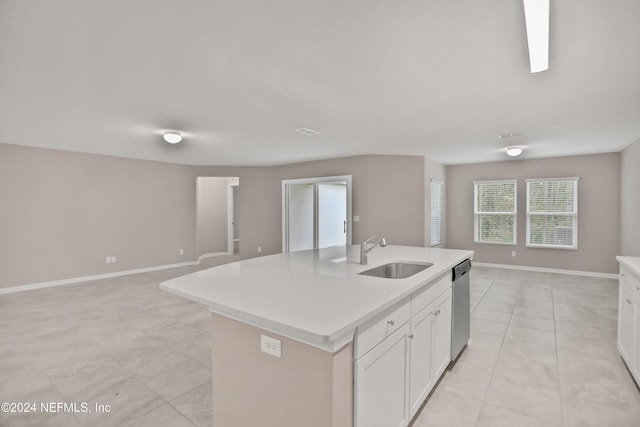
{"x": 552, "y": 213}
{"x": 437, "y": 192}
{"x": 495, "y": 212}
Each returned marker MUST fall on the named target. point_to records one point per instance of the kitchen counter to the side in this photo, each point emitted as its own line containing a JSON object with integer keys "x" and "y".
{"x": 316, "y": 297}
{"x": 633, "y": 262}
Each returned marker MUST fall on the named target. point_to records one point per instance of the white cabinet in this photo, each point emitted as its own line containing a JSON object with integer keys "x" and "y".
{"x": 381, "y": 393}
{"x": 430, "y": 348}
{"x": 629, "y": 320}
{"x": 636, "y": 360}
{"x": 400, "y": 357}
{"x": 441, "y": 351}
{"x": 626, "y": 325}
{"x": 421, "y": 381}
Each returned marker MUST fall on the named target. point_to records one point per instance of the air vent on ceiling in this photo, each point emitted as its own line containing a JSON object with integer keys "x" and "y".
{"x": 307, "y": 131}
{"x": 510, "y": 135}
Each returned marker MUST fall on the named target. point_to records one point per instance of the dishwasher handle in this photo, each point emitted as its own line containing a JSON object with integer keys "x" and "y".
{"x": 461, "y": 269}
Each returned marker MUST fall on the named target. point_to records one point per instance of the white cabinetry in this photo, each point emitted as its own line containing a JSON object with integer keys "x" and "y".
{"x": 421, "y": 381}
{"x": 401, "y": 355}
{"x": 381, "y": 368}
{"x": 629, "y": 320}
{"x": 626, "y": 325}
{"x": 441, "y": 344}
{"x": 381, "y": 395}
{"x": 636, "y": 360}
{"x": 430, "y": 348}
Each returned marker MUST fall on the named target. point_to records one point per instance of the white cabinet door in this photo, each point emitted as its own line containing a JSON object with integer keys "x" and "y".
{"x": 430, "y": 348}
{"x": 421, "y": 381}
{"x": 636, "y": 357}
{"x": 626, "y": 324}
{"x": 381, "y": 383}
{"x": 441, "y": 340}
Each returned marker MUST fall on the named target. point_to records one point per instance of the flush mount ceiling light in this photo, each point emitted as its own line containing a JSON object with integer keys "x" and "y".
{"x": 307, "y": 131}
{"x": 536, "y": 16}
{"x": 172, "y": 137}
{"x": 513, "y": 151}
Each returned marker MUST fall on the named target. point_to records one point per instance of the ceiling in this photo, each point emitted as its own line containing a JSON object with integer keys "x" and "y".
{"x": 440, "y": 78}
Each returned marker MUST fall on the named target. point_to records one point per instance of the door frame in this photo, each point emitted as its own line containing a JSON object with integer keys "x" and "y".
{"x": 314, "y": 181}
{"x": 230, "y": 213}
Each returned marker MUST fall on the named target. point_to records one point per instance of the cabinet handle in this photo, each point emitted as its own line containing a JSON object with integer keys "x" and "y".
{"x": 437, "y": 312}
{"x": 629, "y": 301}
{"x": 390, "y": 322}
{"x": 411, "y": 336}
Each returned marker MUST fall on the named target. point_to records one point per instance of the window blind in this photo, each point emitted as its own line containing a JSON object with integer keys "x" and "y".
{"x": 437, "y": 193}
{"x": 552, "y": 213}
{"x": 495, "y": 212}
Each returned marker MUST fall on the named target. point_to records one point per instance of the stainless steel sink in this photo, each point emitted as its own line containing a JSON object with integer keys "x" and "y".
{"x": 397, "y": 270}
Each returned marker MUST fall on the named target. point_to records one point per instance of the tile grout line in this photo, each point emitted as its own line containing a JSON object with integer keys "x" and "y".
{"x": 555, "y": 333}
{"x": 495, "y": 364}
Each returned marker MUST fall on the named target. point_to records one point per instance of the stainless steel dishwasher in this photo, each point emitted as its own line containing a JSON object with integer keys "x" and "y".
{"x": 460, "y": 317}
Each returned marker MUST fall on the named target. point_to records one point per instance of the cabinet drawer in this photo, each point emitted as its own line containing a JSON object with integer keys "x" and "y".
{"x": 384, "y": 325}
{"x": 426, "y": 296}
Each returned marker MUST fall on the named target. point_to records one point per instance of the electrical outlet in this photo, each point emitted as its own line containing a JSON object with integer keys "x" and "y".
{"x": 270, "y": 346}
{"x": 107, "y": 260}
{"x": 356, "y": 218}
{"x": 259, "y": 249}
{"x": 113, "y": 259}
{"x": 513, "y": 254}
{"x": 181, "y": 251}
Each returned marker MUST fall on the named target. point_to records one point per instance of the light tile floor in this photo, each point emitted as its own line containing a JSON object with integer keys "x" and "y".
{"x": 542, "y": 353}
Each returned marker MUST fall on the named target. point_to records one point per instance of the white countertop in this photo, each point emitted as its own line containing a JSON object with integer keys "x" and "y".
{"x": 632, "y": 262}
{"x": 315, "y": 296}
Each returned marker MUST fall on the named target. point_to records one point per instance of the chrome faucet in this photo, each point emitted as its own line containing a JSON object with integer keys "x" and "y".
{"x": 364, "y": 249}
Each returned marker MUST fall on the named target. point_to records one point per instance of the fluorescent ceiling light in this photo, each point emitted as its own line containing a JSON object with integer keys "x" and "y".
{"x": 172, "y": 137}
{"x": 514, "y": 151}
{"x": 536, "y": 16}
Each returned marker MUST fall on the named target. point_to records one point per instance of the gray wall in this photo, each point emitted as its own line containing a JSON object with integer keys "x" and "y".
{"x": 630, "y": 200}
{"x": 62, "y": 213}
{"x": 598, "y": 211}
{"x": 388, "y": 194}
{"x": 258, "y": 212}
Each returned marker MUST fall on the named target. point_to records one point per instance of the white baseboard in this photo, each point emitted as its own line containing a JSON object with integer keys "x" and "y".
{"x": 549, "y": 270}
{"x": 211, "y": 255}
{"x": 41, "y": 285}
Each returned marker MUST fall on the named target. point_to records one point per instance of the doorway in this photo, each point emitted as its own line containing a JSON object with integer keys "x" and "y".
{"x": 316, "y": 213}
{"x": 216, "y": 217}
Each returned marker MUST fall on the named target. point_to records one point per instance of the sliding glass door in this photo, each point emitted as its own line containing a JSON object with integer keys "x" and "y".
{"x": 316, "y": 213}
{"x": 301, "y": 217}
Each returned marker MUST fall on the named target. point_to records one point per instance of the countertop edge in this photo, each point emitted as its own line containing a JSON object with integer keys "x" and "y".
{"x": 332, "y": 341}
{"x": 630, "y": 261}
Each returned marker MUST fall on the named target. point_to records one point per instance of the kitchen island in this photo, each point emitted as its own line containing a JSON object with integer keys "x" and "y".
{"x": 286, "y": 328}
